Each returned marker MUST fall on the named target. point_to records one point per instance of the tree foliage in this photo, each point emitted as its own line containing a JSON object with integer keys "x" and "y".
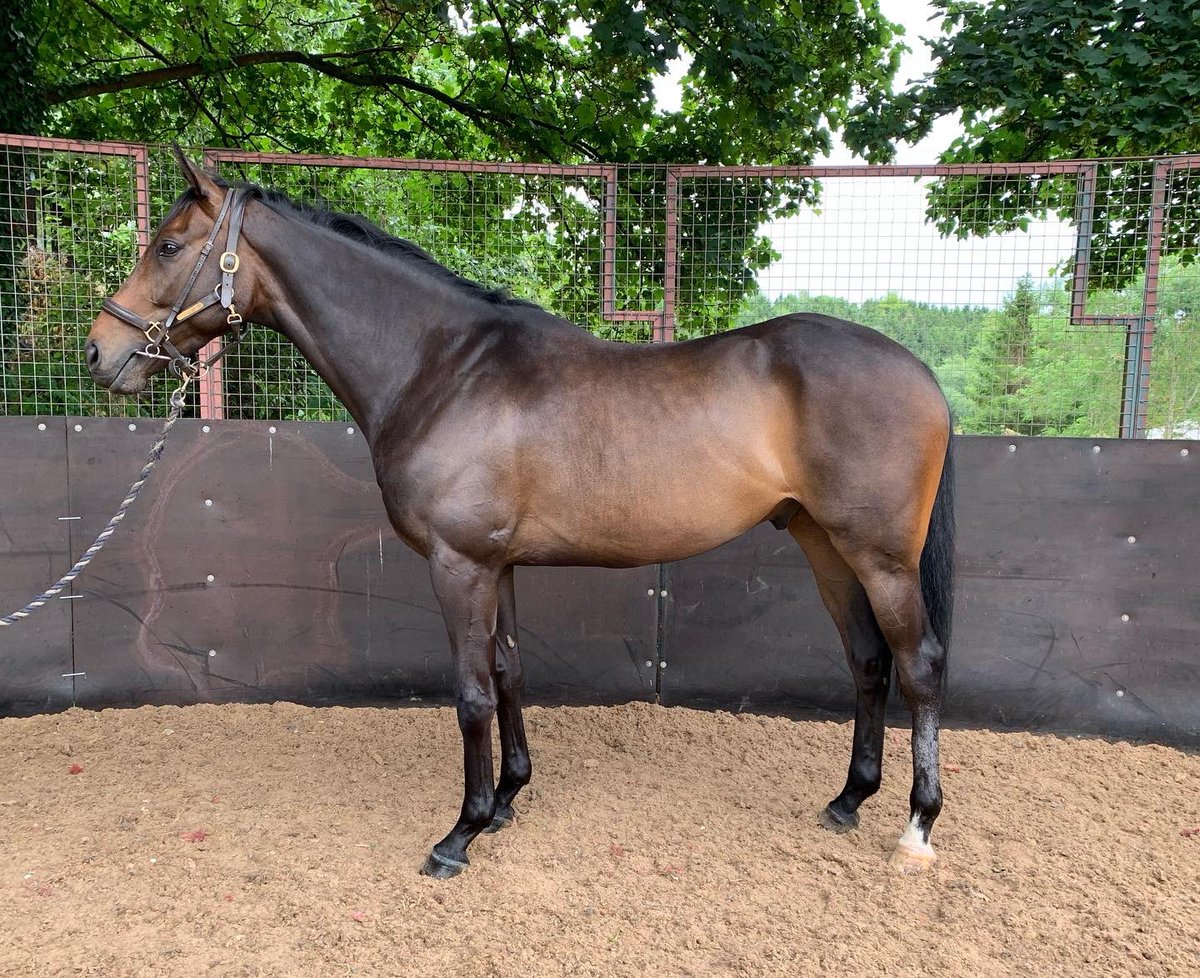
{"x": 1037, "y": 80}
{"x": 1051, "y": 79}
{"x": 477, "y": 79}
{"x": 20, "y": 95}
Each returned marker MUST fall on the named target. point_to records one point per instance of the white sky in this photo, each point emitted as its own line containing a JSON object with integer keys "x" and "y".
{"x": 869, "y": 237}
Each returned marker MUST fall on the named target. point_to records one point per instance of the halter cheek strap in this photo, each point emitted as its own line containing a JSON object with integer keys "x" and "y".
{"x": 158, "y": 333}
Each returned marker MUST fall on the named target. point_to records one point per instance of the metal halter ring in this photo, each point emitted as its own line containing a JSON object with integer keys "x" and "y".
{"x": 153, "y": 351}
{"x": 183, "y": 368}
{"x": 177, "y": 395}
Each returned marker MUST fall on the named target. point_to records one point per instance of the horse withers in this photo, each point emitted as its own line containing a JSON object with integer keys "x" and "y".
{"x": 502, "y": 434}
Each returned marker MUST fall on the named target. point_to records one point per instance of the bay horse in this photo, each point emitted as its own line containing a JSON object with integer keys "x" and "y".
{"x": 502, "y": 434}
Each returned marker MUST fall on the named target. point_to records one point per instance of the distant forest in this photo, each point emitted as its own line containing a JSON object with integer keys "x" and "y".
{"x": 1023, "y": 368}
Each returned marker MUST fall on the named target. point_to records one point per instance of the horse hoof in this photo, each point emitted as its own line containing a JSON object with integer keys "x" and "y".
{"x": 836, "y": 822}
{"x": 442, "y": 867}
{"x": 910, "y": 860}
{"x": 499, "y": 822}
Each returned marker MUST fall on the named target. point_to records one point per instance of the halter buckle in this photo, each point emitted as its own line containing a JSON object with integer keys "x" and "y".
{"x": 155, "y": 333}
{"x": 226, "y": 258}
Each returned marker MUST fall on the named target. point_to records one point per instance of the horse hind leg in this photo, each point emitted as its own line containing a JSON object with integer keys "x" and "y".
{"x": 870, "y": 661}
{"x": 895, "y": 596}
{"x": 891, "y": 520}
{"x": 515, "y": 766}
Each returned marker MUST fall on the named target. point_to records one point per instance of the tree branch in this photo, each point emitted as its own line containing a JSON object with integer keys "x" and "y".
{"x": 160, "y": 76}
{"x": 321, "y": 63}
{"x": 147, "y": 46}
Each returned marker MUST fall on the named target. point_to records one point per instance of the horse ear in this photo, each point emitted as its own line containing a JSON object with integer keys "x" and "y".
{"x": 196, "y": 177}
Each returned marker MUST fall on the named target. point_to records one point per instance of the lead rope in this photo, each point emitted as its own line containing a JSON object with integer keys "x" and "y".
{"x": 177, "y": 399}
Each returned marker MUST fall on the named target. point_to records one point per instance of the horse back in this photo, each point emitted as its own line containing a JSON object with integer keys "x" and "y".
{"x": 565, "y": 449}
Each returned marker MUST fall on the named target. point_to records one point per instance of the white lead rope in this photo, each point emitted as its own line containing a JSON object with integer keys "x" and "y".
{"x": 177, "y": 399}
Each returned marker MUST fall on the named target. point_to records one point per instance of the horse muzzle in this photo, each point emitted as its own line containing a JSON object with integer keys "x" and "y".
{"x": 112, "y": 357}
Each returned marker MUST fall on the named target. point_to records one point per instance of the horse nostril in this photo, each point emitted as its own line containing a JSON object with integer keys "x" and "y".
{"x": 92, "y": 352}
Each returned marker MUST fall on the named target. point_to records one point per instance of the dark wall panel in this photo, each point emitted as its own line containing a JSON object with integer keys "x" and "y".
{"x": 1080, "y": 564}
{"x": 744, "y": 629}
{"x": 1063, "y": 622}
{"x": 35, "y": 547}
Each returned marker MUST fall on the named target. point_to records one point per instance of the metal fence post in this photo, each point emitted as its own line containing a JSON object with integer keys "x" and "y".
{"x": 141, "y": 164}
{"x": 1139, "y": 329}
{"x": 1140, "y": 349}
{"x": 664, "y": 332}
{"x": 608, "y": 265}
{"x": 212, "y": 383}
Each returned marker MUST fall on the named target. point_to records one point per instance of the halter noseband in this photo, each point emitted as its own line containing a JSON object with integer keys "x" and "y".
{"x": 157, "y": 333}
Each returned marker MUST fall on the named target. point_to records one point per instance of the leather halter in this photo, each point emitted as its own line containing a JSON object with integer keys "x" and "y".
{"x": 157, "y": 332}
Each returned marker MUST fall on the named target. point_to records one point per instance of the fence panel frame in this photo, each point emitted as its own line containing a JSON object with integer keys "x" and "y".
{"x": 1139, "y": 328}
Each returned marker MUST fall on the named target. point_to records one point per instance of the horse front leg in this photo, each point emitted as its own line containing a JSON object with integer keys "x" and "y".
{"x": 515, "y": 766}
{"x": 468, "y": 592}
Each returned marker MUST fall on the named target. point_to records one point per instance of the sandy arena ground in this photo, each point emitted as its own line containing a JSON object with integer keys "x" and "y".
{"x": 283, "y": 840}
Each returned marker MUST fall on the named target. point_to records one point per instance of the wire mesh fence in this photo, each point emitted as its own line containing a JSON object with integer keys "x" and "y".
{"x": 69, "y": 234}
{"x": 539, "y": 236}
{"x": 1048, "y": 298}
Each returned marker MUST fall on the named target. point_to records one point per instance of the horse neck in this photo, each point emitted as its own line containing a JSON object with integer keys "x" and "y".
{"x": 362, "y": 319}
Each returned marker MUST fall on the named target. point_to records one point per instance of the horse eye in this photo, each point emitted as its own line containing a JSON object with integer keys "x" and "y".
{"x": 168, "y": 249}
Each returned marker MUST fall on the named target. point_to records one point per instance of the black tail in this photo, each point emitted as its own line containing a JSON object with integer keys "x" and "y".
{"x": 937, "y": 559}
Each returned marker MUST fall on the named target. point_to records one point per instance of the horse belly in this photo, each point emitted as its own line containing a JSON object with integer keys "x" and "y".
{"x": 669, "y": 505}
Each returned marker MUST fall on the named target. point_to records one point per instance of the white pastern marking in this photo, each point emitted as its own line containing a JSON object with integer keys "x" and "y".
{"x": 913, "y": 840}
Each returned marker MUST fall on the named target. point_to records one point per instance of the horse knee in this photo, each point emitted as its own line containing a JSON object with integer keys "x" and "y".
{"x": 518, "y": 770}
{"x": 872, "y": 674}
{"x": 865, "y": 776}
{"x": 476, "y": 707}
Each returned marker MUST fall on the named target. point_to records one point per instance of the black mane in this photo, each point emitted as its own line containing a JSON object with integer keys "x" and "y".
{"x": 358, "y": 228}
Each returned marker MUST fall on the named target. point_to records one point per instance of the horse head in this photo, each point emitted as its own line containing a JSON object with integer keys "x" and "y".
{"x": 177, "y": 299}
